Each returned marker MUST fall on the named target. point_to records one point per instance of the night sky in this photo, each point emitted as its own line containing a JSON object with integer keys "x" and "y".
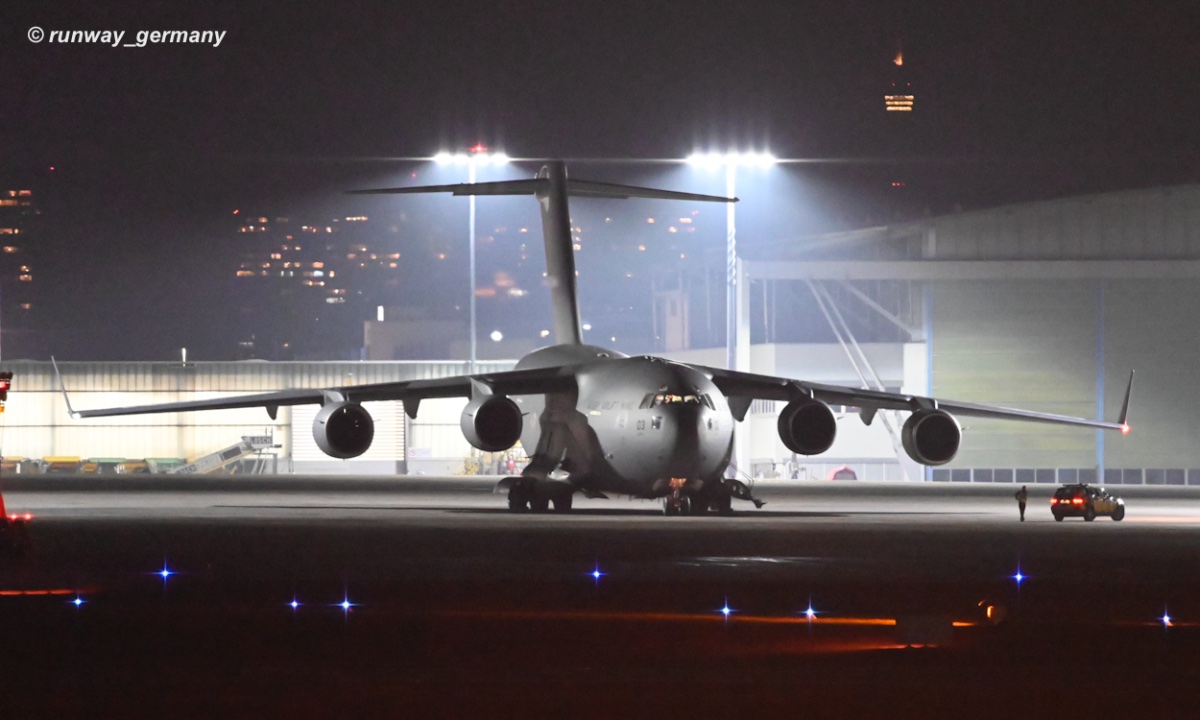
{"x": 152, "y": 146}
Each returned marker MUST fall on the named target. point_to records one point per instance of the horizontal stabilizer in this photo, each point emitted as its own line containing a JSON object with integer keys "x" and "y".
{"x": 578, "y": 188}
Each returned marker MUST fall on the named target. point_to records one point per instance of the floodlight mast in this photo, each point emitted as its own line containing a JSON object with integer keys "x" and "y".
{"x": 730, "y": 162}
{"x": 477, "y": 155}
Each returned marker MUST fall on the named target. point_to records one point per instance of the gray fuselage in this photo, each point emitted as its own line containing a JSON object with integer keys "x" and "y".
{"x": 631, "y": 425}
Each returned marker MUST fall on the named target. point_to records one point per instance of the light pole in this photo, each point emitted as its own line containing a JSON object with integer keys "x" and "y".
{"x": 477, "y": 155}
{"x": 731, "y": 161}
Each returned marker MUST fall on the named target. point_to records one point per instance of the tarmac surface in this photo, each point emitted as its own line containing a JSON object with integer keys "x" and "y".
{"x": 424, "y": 597}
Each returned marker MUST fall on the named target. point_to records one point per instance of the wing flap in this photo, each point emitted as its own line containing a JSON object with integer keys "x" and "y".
{"x": 411, "y": 392}
{"x": 749, "y": 386}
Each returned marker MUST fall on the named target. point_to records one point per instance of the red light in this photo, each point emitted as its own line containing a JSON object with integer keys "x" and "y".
{"x": 479, "y": 148}
{"x": 1125, "y": 429}
{"x": 51, "y": 168}
{"x": 235, "y": 212}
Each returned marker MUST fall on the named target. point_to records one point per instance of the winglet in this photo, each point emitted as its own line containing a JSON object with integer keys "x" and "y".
{"x": 1122, "y": 421}
{"x": 63, "y": 387}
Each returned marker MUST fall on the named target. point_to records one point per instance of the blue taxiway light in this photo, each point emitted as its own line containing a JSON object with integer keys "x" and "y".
{"x": 1018, "y": 577}
{"x": 726, "y": 610}
{"x": 1166, "y": 618}
{"x": 78, "y": 601}
{"x": 165, "y": 573}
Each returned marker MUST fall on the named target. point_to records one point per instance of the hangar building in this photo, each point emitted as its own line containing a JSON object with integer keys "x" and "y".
{"x": 1043, "y": 306}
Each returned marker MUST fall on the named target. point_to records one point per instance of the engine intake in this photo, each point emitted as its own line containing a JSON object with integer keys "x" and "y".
{"x": 807, "y": 426}
{"x": 492, "y": 423}
{"x": 931, "y": 437}
{"x": 343, "y": 430}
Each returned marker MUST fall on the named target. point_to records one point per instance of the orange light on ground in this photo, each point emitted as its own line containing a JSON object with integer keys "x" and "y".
{"x": 39, "y": 592}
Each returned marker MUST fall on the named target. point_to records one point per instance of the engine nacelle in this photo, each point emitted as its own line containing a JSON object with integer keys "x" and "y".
{"x": 492, "y": 423}
{"x": 931, "y": 437}
{"x": 343, "y": 430}
{"x": 807, "y": 426}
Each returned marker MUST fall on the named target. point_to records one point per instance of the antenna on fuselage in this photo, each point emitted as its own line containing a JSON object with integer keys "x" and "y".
{"x": 552, "y": 188}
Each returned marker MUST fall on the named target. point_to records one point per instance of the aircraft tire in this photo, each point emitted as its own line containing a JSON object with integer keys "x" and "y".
{"x": 539, "y": 503}
{"x": 518, "y": 498}
{"x": 562, "y": 503}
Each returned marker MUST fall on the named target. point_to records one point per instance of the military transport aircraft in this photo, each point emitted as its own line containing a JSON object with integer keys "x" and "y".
{"x": 603, "y": 422}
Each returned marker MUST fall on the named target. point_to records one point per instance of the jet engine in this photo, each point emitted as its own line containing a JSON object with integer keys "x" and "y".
{"x": 343, "y": 430}
{"x": 491, "y": 423}
{"x": 807, "y": 426}
{"x": 931, "y": 437}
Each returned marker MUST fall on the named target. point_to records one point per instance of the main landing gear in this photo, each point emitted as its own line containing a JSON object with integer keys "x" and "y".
{"x": 525, "y": 494}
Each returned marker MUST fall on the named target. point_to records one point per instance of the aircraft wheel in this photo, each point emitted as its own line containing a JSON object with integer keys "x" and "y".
{"x": 668, "y": 507}
{"x": 685, "y": 505}
{"x": 518, "y": 498}
{"x": 562, "y": 503}
{"x": 725, "y": 504}
{"x": 539, "y": 503}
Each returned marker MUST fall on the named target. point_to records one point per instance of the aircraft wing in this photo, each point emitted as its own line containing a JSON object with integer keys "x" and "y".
{"x": 411, "y": 392}
{"x": 742, "y": 388}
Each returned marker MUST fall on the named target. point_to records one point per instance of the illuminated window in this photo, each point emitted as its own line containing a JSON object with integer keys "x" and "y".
{"x": 8, "y": 203}
{"x": 656, "y": 399}
{"x": 10, "y": 249}
{"x": 25, "y": 278}
{"x": 26, "y": 306}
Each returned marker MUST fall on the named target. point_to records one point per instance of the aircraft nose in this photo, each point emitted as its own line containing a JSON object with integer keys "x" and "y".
{"x": 688, "y": 454}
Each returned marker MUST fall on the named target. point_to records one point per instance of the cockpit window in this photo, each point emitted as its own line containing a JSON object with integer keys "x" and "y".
{"x": 665, "y": 398}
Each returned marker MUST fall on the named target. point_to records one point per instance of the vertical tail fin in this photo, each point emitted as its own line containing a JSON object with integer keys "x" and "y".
{"x": 552, "y": 188}
{"x": 560, "y": 254}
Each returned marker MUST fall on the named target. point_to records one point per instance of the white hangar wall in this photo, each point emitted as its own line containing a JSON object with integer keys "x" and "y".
{"x": 36, "y": 423}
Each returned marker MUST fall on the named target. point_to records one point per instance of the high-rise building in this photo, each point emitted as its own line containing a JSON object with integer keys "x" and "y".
{"x": 899, "y": 97}
{"x": 19, "y": 226}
